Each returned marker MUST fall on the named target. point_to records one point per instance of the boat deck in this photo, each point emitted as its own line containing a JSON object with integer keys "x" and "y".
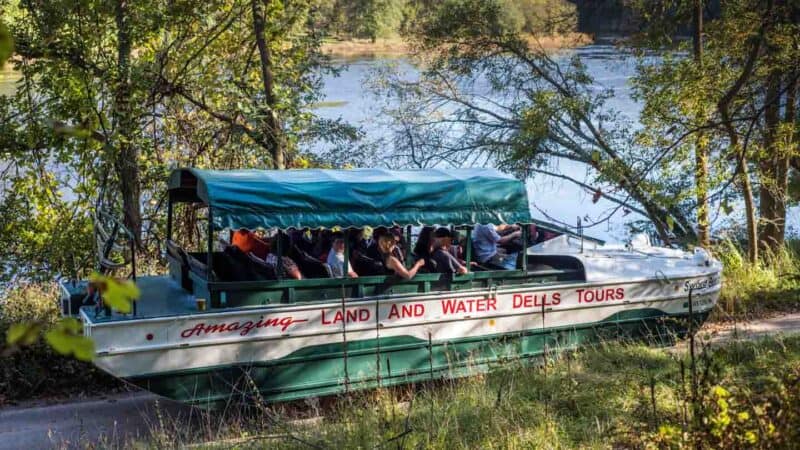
{"x": 160, "y": 296}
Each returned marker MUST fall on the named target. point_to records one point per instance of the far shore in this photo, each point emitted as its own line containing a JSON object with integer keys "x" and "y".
{"x": 355, "y": 48}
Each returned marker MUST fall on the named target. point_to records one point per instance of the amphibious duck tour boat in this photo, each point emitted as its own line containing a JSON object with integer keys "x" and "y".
{"x": 220, "y": 327}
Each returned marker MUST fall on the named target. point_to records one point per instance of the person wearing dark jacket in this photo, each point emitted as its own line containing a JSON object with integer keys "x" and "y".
{"x": 441, "y": 257}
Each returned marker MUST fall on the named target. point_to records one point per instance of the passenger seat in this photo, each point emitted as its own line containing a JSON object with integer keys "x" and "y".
{"x": 309, "y": 266}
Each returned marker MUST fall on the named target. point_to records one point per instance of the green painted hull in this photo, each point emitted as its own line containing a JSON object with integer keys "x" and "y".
{"x": 332, "y": 369}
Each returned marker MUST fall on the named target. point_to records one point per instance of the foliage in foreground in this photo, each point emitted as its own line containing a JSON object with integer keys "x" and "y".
{"x": 40, "y": 369}
{"x": 613, "y": 395}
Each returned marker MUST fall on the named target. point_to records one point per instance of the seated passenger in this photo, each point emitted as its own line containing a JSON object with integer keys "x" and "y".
{"x": 424, "y": 247}
{"x": 323, "y": 245}
{"x": 399, "y": 251}
{"x": 456, "y": 249}
{"x": 392, "y": 265}
{"x": 424, "y": 244}
{"x": 249, "y": 242}
{"x": 373, "y": 250}
{"x": 362, "y": 264}
{"x": 336, "y": 258}
{"x": 486, "y": 239}
{"x": 513, "y": 245}
{"x": 441, "y": 257}
{"x": 288, "y": 265}
{"x": 357, "y": 242}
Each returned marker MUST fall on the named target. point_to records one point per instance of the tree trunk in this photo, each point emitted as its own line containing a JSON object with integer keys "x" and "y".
{"x": 774, "y": 167}
{"x": 273, "y": 131}
{"x": 700, "y": 148}
{"x": 126, "y": 160}
{"x": 701, "y": 187}
{"x": 793, "y": 122}
{"x": 749, "y": 207}
{"x": 742, "y": 174}
{"x": 785, "y": 158}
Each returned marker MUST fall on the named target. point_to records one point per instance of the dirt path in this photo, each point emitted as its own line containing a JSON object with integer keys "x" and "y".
{"x": 113, "y": 420}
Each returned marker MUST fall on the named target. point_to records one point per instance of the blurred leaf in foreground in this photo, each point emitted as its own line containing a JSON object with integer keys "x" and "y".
{"x": 66, "y": 338}
{"x": 118, "y": 294}
{"x": 23, "y": 333}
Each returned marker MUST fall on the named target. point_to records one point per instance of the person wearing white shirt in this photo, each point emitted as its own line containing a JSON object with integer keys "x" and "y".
{"x": 336, "y": 260}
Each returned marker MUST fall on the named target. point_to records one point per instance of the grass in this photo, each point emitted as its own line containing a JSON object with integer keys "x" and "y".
{"x": 609, "y": 396}
{"x": 754, "y": 290}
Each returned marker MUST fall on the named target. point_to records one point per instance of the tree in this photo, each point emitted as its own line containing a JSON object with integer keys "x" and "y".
{"x": 701, "y": 152}
{"x": 114, "y": 94}
{"x": 741, "y": 83}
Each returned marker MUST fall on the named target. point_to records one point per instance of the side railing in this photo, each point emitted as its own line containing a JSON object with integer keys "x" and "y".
{"x": 115, "y": 247}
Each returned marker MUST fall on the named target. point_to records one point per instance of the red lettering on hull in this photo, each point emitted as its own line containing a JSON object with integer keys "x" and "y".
{"x": 349, "y": 316}
{"x": 455, "y": 306}
{"x": 403, "y": 311}
{"x": 243, "y": 328}
{"x": 600, "y": 295}
{"x": 537, "y": 300}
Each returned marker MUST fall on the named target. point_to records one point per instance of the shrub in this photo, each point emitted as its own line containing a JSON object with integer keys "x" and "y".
{"x": 37, "y": 371}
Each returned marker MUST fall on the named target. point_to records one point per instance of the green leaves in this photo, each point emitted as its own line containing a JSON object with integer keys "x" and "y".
{"x": 66, "y": 338}
{"x": 23, "y": 333}
{"x": 670, "y": 223}
{"x": 118, "y": 294}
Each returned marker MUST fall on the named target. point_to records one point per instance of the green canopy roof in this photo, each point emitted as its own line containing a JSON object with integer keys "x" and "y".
{"x": 352, "y": 198}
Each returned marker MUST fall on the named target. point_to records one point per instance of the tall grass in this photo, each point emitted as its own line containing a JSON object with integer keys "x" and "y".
{"x": 607, "y": 396}
{"x": 751, "y": 290}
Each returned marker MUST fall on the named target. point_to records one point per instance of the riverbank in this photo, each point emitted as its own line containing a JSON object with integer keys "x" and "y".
{"x": 395, "y": 47}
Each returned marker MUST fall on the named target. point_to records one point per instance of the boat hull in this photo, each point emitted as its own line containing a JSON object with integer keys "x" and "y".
{"x": 296, "y": 351}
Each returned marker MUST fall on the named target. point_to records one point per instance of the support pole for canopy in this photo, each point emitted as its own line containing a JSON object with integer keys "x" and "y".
{"x": 210, "y": 239}
{"x": 468, "y": 249}
{"x": 346, "y": 268}
{"x": 279, "y": 254}
{"x": 524, "y": 247}
{"x": 407, "y": 246}
{"x": 344, "y": 349}
{"x": 169, "y": 216}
